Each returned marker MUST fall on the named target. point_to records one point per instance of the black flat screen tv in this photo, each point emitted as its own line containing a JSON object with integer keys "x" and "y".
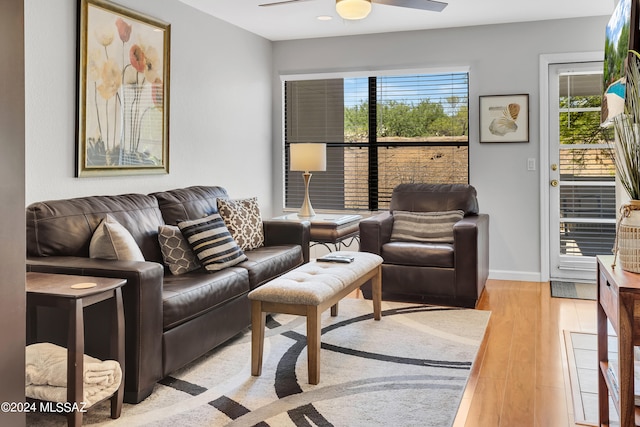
{"x": 620, "y": 36}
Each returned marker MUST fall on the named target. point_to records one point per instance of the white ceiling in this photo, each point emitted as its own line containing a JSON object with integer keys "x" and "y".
{"x": 299, "y": 20}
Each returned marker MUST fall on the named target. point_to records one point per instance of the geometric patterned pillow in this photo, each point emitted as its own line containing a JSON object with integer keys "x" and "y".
{"x": 212, "y": 242}
{"x": 176, "y": 251}
{"x": 242, "y": 218}
{"x": 434, "y": 227}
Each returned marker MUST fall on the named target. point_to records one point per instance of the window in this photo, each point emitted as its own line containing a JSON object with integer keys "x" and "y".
{"x": 421, "y": 133}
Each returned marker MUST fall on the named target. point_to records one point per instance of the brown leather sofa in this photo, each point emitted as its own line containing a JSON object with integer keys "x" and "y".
{"x": 170, "y": 320}
{"x": 451, "y": 274}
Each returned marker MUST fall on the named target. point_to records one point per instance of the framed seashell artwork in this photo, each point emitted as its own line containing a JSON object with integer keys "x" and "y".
{"x": 504, "y": 118}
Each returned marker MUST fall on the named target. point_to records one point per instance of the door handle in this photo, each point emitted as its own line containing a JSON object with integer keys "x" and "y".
{"x": 554, "y": 182}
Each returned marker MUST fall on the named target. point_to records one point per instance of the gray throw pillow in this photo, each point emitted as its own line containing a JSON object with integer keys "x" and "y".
{"x": 212, "y": 242}
{"x": 436, "y": 227}
{"x": 176, "y": 251}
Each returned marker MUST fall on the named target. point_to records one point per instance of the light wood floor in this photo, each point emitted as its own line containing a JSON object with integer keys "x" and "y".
{"x": 520, "y": 377}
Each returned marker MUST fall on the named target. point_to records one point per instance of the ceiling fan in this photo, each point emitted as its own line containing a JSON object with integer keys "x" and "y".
{"x": 359, "y": 9}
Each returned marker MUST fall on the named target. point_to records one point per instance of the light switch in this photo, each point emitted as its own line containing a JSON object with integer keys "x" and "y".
{"x": 531, "y": 164}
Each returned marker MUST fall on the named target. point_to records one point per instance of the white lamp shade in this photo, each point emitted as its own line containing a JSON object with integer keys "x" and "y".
{"x": 353, "y": 9}
{"x": 308, "y": 157}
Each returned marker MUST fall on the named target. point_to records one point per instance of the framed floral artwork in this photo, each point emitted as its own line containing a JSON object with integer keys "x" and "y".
{"x": 504, "y": 118}
{"x": 123, "y": 92}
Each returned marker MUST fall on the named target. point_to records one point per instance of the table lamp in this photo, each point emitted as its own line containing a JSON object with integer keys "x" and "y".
{"x": 307, "y": 157}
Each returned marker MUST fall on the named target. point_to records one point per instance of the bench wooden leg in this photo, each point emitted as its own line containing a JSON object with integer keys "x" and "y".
{"x": 334, "y": 310}
{"x": 313, "y": 343}
{"x": 376, "y": 285}
{"x": 258, "y": 320}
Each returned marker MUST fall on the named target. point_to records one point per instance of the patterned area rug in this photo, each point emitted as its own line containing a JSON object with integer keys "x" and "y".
{"x": 408, "y": 369}
{"x": 575, "y": 290}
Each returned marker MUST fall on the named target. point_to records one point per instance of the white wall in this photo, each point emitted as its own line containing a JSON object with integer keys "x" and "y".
{"x": 503, "y": 59}
{"x": 220, "y": 123}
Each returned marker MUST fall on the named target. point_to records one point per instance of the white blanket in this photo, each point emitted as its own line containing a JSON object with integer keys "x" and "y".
{"x": 46, "y": 375}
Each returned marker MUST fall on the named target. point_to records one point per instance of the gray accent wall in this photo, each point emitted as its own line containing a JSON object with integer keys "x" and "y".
{"x": 502, "y": 59}
{"x": 12, "y": 230}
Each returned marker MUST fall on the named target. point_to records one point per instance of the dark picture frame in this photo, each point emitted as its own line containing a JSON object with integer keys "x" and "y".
{"x": 504, "y": 118}
{"x": 123, "y": 91}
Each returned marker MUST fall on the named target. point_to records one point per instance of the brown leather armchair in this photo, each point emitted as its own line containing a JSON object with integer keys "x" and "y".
{"x": 451, "y": 274}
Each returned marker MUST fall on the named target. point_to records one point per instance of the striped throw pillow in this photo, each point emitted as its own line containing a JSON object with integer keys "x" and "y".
{"x": 434, "y": 227}
{"x": 212, "y": 243}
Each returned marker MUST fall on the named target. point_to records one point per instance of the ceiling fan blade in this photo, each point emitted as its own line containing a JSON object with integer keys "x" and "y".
{"x": 278, "y": 3}
{"x": 432, "y": 5}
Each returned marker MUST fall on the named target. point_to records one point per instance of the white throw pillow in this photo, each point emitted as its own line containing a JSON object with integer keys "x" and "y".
{"x": 112, "y": 241}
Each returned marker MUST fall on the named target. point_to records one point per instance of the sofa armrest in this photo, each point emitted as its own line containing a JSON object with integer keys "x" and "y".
{"x": 471, "y": 246}
{"x": 142, "y": 298}
{"x": 375, "y": 231}
{"x": 287, "y": 233}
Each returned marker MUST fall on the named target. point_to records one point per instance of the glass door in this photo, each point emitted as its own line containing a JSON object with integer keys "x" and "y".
{"x": 582, "y": 174}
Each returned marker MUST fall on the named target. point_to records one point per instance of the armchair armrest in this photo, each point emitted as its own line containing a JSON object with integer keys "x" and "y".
{"x": 142, "y": 298}
{"x": 286, "y": 233}
{"x": 375, "y": 231}
{"x": 471, "y": 246}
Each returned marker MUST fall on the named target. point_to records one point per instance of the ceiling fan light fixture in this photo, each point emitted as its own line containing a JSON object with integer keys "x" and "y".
{"x": 353, "y": 9}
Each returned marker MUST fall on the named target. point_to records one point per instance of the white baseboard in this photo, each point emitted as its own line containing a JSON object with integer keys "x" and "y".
{"x": 519, "y": 276}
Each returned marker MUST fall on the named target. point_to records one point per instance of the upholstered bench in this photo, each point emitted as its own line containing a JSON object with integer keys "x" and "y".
{"x": 308, "y": 291}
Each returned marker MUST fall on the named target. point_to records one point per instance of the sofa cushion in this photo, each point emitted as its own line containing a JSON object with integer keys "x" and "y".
{"x": 188, "y": 203}
{"x": 176, "y": 251}
{"x": 65, "y": 227}
{"x": 242, "y": 218}
{"x": 268, "y": 262}
{"x": 112, "y": 241}
{"x": 434, "y": 198}
{"x": 212, "y": 242}
{"x": 424, "y": 226}
{"x": 192, "y": 294}
{"x": 419, "y": 254}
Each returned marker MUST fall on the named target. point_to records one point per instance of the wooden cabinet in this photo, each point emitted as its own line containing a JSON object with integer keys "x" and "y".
{"x": 619, "y": 302}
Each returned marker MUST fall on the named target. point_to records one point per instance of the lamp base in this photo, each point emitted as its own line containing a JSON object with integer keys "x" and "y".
{"x": 306, "y": 211}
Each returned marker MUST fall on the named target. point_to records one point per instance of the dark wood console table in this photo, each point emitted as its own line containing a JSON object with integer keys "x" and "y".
{"x": 73, "y": 293}
{"x": 619, "y": 303}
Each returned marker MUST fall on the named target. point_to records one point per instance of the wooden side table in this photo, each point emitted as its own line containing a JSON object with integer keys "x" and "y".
{"x": 73, "y": 293}
{"x": 619, "y": 303}
{"x": 326, "y": 229}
